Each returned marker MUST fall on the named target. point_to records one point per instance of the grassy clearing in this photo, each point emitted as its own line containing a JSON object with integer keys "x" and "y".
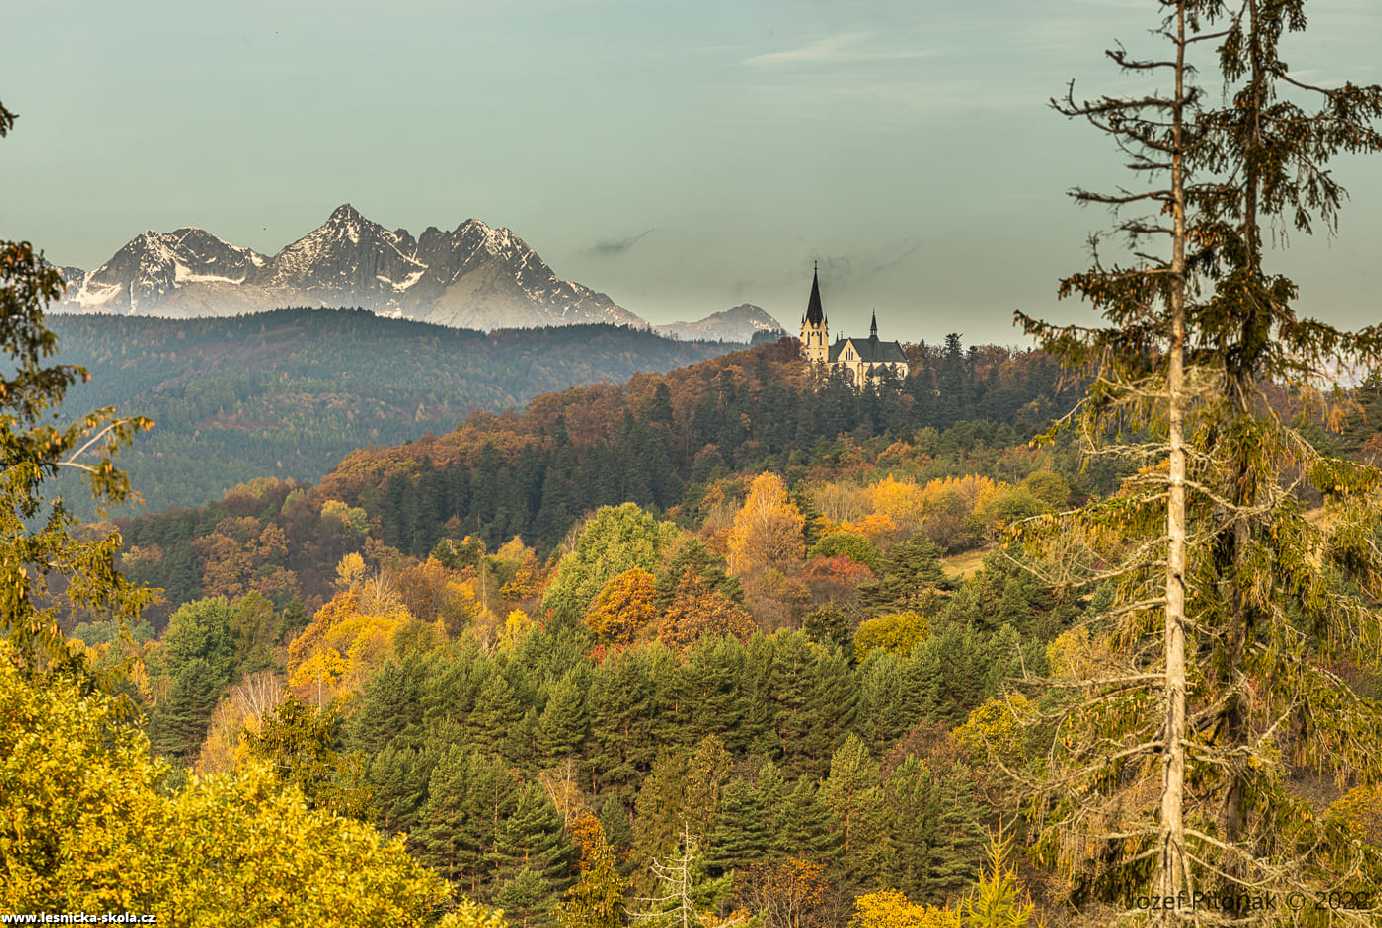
{"x": 961, "y": 566}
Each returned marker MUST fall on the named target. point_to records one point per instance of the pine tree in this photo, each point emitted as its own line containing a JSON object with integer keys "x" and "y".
{"x": 741, "y": 834}
{"x": 398, "y": 777}
{"x": 624, "y": 718}
{"x": 854, "y": 794}
{"x": 533, "y": 860}
{"x": 469, "y": 796}
{"x": 804, "y": 825}
{"x": 934, "y": 834}
{"x": 495, "y": 722}
{"x": 910, "y": 577}
{"x": 524, "y": 896}
{"x": 710, "y": 693}
{"x": 564, "y": 721}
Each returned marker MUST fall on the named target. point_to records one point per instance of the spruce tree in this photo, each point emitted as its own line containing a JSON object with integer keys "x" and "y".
{"x": 469, "y": 796}
{"x": 180, "y": 719}
{"x": 1191, "y": 705}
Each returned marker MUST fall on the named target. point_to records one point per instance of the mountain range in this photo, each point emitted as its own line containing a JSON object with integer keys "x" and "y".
{"x": 475, "y": 276}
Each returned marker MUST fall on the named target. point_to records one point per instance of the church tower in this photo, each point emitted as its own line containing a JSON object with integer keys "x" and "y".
{"x": 815, "y": 327}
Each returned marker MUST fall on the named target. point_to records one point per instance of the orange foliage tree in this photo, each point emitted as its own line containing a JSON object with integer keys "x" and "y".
{"x": 697, "y": 610}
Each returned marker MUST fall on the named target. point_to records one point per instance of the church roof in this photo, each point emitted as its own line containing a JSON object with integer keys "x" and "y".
{"x": 870, "y": 350}
{"x": 815, "y": 313}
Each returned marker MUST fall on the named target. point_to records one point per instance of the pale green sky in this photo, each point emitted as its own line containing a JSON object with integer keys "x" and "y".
{"x": 681, "y": 155}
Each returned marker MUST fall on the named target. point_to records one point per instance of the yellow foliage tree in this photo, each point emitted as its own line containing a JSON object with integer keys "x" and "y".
{"x": 623, "y": 607}
{"x": 897, "y": 632}
{"x": 995, "y": 731}
{"x": 518, "y": 625}
{"x": 345, "y": 642}
{"x": 904, "y": 502}
{"x": 767, "y": 529}
{"x": 319, "y": 672}
{"x": 89, "y": 822}
{"x": 999, "y": 900}
{"x": 888, "y": 908}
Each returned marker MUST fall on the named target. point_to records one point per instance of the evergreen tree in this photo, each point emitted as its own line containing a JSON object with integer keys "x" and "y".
{"x": 830, "y": 626}
{"x": 180, "y": 719}
{"x": 469, "y": 796}
{"x": 398, "y": 777}
{"x": 624, "y": 718}
{"x": 532, "y": 858}
{"x": 934, "y": 834}
{"x": 495, "y": 722}
{"x": 853, "y": 793}
{"x": 564, "y": 721}
{"x": 693, "y": 558}
{"x": 1227, "y": 608}
{"x": 742, "y": 832}
{"x": 805, "y": 826}
{"x": 391, "y": 708}
{"x": 909, "y": 578}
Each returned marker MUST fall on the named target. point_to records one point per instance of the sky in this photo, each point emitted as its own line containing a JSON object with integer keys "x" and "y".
{"x": 683, "y": 156}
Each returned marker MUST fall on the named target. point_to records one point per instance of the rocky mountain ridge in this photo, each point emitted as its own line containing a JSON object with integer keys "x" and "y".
{"x": 475, "y": 276}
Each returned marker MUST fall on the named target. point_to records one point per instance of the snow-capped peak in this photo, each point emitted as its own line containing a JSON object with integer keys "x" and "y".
{"x": 476, "y": 275}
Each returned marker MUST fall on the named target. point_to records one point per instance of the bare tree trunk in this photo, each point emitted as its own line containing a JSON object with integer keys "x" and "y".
{"x": 1172, "y": 825}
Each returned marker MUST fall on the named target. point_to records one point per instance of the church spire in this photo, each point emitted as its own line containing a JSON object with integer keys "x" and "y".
{"x": 815, "y": 313}
{"x": 873, "y": 326}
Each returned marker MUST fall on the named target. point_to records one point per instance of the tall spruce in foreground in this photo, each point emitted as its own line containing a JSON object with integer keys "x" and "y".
{"x": 38, "y": 538}
{"x": 1177, "y": 735}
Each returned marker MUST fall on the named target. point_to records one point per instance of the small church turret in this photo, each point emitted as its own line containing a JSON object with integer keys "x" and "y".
{"x": 815, "y": 327}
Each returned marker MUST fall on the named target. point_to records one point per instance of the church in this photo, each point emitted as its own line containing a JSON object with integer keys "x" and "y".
{"x": 860, "y": 359}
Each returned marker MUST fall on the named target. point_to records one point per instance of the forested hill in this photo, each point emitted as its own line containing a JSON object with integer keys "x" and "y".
{"x": 288, "y": 393}
{"x": 658, "y": 441}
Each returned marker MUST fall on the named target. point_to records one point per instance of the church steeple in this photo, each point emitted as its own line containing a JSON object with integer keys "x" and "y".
{"x": 815, "y": 313}
{"x": 873, "y": 327}
{"x": 815, "y": 328}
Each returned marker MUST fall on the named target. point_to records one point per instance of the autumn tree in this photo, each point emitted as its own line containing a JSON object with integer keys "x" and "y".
{"x": 698, "y": 611}
{"x": 611, "y": 541}
{"x": 91, "y": 821}
{"x": 888, "y": 908}
{"x": 767, "y": 530}
{"x": 624, "y": 607}
{"x": 596, "y": 898}
{"x": 44, "y": 561}
{"x": 787, "y": 893}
